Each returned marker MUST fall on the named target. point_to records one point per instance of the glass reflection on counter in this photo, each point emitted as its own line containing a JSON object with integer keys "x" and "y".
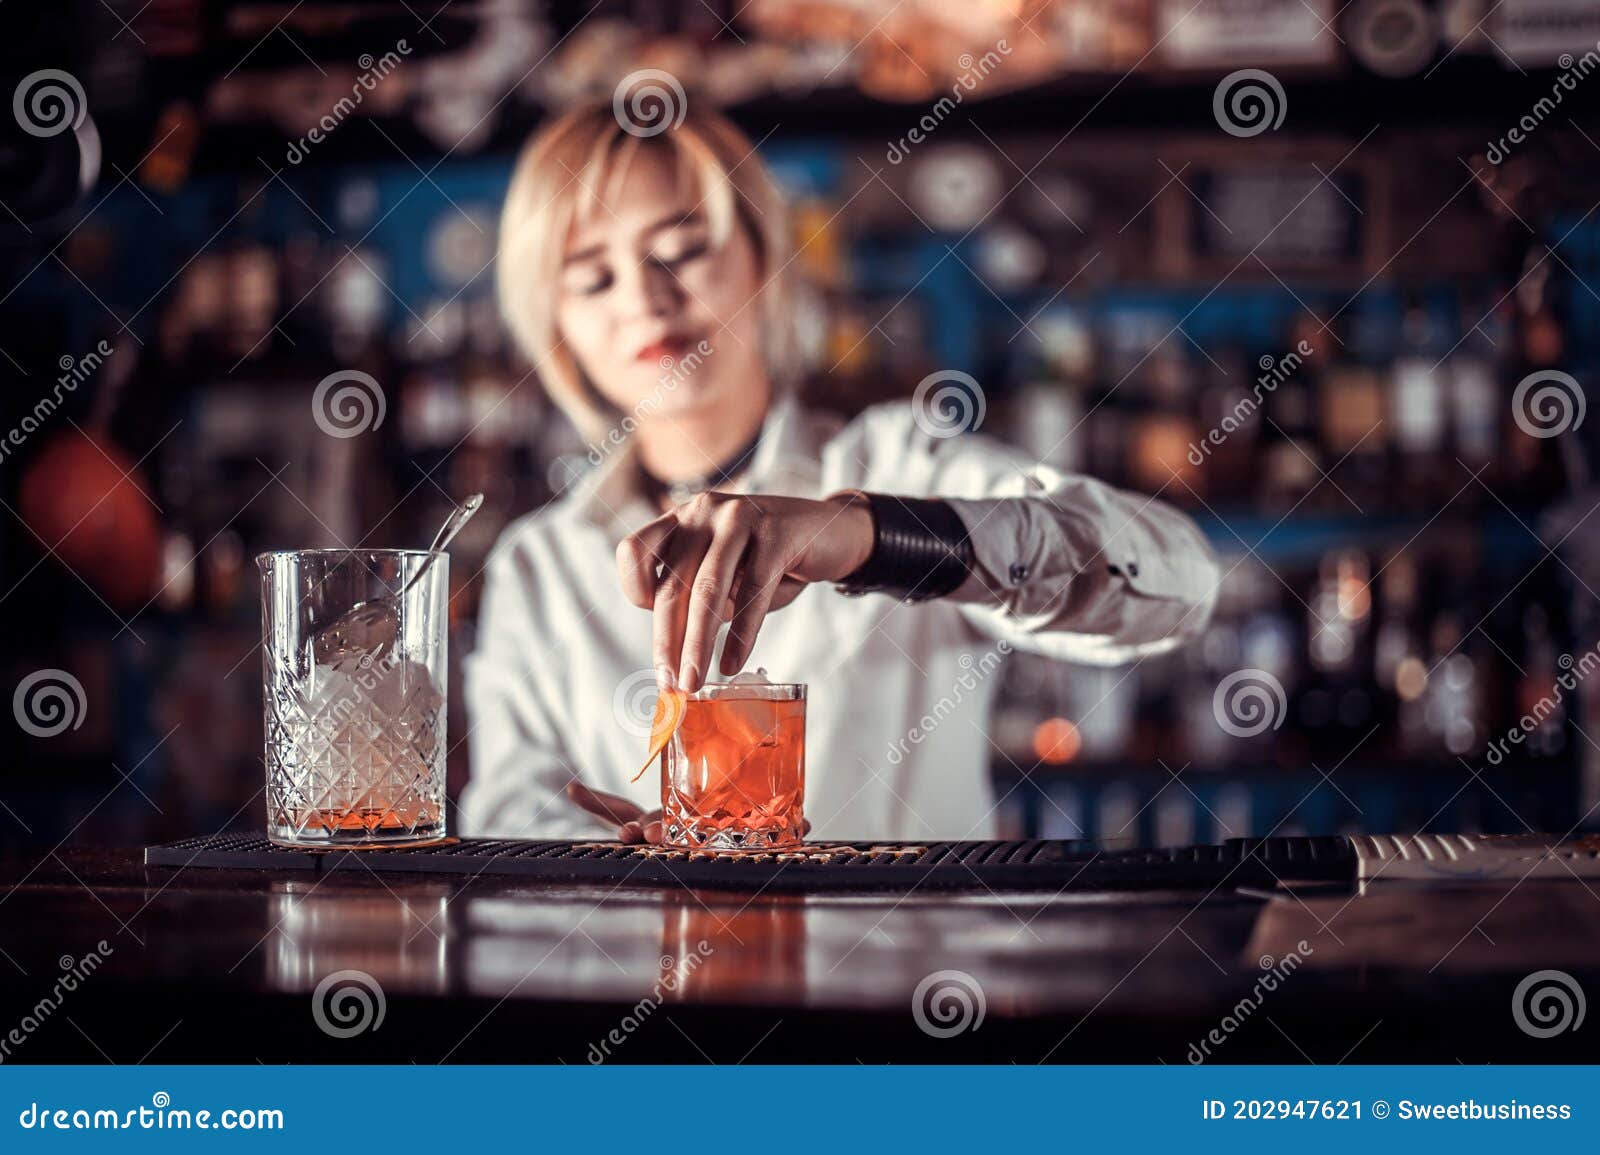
{"x": 400, "y": 941}
{"x": 721, "y": 953}
{"x": 724, "y": 949}
{"x": 682, "y": 948}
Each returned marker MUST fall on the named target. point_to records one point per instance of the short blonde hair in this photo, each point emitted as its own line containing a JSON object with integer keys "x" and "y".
{"x": 559, "y": 178}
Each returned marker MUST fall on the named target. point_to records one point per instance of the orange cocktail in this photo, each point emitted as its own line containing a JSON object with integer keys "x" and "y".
{"x": 733, "y": 777}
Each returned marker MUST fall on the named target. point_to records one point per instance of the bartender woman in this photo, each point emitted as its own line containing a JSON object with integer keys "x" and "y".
{"x": 728, "y": 527}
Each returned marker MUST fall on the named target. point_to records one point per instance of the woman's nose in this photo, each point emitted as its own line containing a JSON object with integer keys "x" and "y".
{"x": 649, "y": 290}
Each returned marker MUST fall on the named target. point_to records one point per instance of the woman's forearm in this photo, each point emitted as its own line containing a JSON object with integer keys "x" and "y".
{"x": 1115, "y": 572}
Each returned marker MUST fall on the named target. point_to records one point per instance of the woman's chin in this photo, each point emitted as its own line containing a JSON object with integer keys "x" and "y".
{"x": 679, "y": 399}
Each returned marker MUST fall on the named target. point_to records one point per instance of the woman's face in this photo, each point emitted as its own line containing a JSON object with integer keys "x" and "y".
{"x": 660, "y": 320}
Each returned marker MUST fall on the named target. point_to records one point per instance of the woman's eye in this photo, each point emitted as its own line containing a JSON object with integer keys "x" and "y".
{"x": 682, "y": 253}
{"x": 587, "y": 282}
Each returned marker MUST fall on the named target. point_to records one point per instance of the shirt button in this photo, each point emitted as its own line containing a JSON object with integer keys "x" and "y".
{"x": 1133, "y": 569}
{"x": 1018, "y": 573}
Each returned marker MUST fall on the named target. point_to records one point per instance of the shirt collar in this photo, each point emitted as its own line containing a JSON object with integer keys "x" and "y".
{"x": 787, "y": 460}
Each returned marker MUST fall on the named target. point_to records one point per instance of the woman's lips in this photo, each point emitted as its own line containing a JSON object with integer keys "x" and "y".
{"x": 673, "y": 347}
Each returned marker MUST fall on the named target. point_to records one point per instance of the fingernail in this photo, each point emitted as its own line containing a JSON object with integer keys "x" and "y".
{"x": 665, "y": 678}
{"x": 691, "y": 678}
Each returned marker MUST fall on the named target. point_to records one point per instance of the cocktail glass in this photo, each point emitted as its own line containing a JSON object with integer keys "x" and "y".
{"x": 733, "y": 776}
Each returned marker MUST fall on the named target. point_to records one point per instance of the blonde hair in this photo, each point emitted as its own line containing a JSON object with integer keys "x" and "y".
{"x": 559, "y": 178}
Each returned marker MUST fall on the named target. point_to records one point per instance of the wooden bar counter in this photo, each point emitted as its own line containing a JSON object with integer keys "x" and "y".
{"x": 218, "y": 965}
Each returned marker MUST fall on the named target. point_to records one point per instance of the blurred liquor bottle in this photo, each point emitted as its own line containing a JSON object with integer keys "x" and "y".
{"x": 1418, "y": 412}
{"x": 1457, "y": 685}
{"x": 1162, "y": 428}
{"x": 1399, "y": 670}
{"x": 1351, "y": 418}
{"x": 1292, "y": 450}
{"x": 1226, "y": 447}
{"x": 1539, "y": 694}
{"x": 1049, "y": 414}
{"x": 1541, "y": 343}
{"x": 1336, "y": 706}
{"x": 1477, "y": 402}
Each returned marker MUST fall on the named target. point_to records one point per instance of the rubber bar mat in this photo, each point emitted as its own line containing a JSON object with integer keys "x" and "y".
{"x": 1036, "y": 864}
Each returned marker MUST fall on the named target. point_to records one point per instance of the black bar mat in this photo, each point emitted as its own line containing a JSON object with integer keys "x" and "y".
{"x": 1043, "y": 865}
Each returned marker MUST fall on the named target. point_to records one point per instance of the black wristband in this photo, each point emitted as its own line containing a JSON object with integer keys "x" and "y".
{"x": 920, "y": 550}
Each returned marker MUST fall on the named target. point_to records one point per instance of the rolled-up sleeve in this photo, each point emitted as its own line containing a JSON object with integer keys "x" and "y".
{"x": 1076, "y": 569}
{"x": 520, "y": 767}
{"x": 1065, "y": 565}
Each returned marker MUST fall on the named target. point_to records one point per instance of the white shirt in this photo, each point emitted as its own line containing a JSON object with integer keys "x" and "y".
{"x": 899, "y": 693}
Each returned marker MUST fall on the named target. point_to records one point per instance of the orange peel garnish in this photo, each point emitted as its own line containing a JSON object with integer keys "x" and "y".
{"x": 671, "y": 706}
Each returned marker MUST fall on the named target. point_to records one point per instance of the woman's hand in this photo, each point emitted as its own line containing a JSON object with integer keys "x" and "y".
{"x": 727, "y": 557}
{"x": 634, "y": 823}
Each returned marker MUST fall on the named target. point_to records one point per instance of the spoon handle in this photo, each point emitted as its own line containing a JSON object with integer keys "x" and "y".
{"x": 453, "y": 525}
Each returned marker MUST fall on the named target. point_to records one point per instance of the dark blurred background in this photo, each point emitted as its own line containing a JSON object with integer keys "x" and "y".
{"x": 1088, "y": 231}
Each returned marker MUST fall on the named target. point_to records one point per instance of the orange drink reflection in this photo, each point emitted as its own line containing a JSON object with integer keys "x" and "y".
{"x": 733, "y": 776}
{"x": 733, "y": 951}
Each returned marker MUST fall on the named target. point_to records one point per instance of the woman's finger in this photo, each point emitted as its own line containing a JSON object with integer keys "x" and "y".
{"x": 639, "y": 554}
{"x": 758, "y": 588}
{"x": 788, "y": 589}
{"x": 709, "y": 594}
{"x": 671, "y": 612}
{"x": 611, "y": 807}
{"x": 636, "y": 830}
